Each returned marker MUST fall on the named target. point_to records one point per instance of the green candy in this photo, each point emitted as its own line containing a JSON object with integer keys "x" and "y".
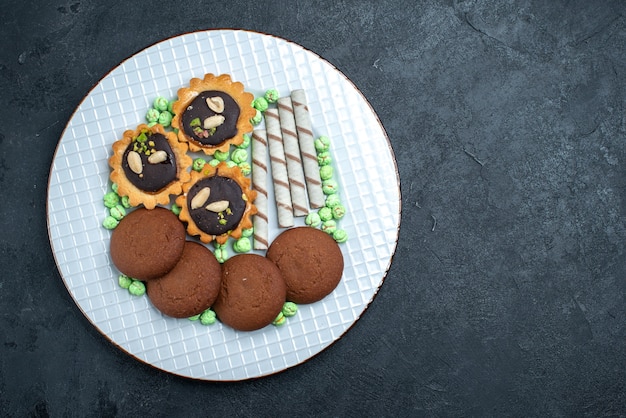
{"x": 198, "y": 164}
{"x": 280, "y": 319}
{"x": 170, "y": 105}
{"x": 260, "y": 104}
{"x": 165, "y": 118}
{"x": 326, "y": 172}
{"x": 257, "y": 118}
{"x": 114, "y": 187}
{"x": 137, "y": 288}
{"x": 340, "y": 236}
{"x": 176, "y": 209}
{"x": 324, "y": 158}
{"x": 221, "y": 155}
{"x": 126, "y": 202}
{"x": 332, "y": 200}
{"x": 160, "y": 103}
{"x": 152, "y": 115}
{"x": 248, "y": 232}
{"x": 325, "y": 214}
{"x": 329, "y": 227}
{"x": 231, "y": 164}
{"x": 245, "y": 168}
{"x": 330, "y": 186}
{"x": 239, "y": 155}
{"x": 246, "y": 141}
{"x": 271, "y": 95}
{"x": 194, "y": 318}
{"x": 214, "y": 162}
{"x": 322, "y": 144}
{"x": 339, "y": 211}
{"x": 289, "y": 309}
{"x": 118, "y": 212}
{"x": 242, "y": 245}
{"x": 208, "y": 317}
{"x": 313, "y": 219}
{"x": 111, "y": 200}
{"x": 221, "y": 254}
{"x": 124, "y": 281}
{"x": 151, "y": 124}
{"x": 110, "y": 222}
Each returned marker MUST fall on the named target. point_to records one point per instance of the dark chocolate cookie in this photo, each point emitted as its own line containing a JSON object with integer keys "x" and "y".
{"x": 191, "y": 286}
{"x": 147, "y": 243}
{"x": 310, "y": 261}
{"x": 252, "y": 292}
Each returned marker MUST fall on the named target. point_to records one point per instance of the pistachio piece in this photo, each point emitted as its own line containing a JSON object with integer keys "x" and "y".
{"x": 215, "y": 103}
{"x": 217, "y": 206}
{"x": 213, "y": 121}
{"x": 134, "y": 162}
{"x": 200, "y": 198}
{"x": 157, "y": 157}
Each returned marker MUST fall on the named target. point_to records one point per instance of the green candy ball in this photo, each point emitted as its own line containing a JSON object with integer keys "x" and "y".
{"x": 245, "y": 168}
{"x": 221, "y": 155}
{"x": 257, "y": 118}
{"x": 124, "y": 281}
{"x": 198, "y": 164}
{"x": 324, "y": 158}
{"x": 242, "y": 245}
{"x": 313, "y": 219}
{"x": 160, "y": 104}
{"x": 137, "y": 288}
{"x": 208, "y": 317}
{"x": 322, "y": 144}
{"x": 326, "y": 172}
{"x": 246, "y": 141}
{"x": 111, "y": 200}
{"x": 289, "y": 309}
{"x": 152, "y": 116}
{"x": 330, "y": 186}
{"x": 271, "y": 95}
{"x": 239, "y": 155}
{"x": 260, "y": 104}
{"x": 325, "y": 214}
{"x": 165, "y": 118}
{"x": 329, "y": 227}
{"x": 340, "y": 236}
{"x": 110, "y": 222}
{"x": 118, "y": 212}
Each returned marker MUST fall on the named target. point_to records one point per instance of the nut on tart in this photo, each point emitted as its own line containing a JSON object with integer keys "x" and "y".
{"x": 148, "y": 165}
{"x": 213, "y": 113}
{"x": 217, "y": 203}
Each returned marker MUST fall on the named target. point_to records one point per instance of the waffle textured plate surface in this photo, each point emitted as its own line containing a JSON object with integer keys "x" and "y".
{"x": 364, "y": 167}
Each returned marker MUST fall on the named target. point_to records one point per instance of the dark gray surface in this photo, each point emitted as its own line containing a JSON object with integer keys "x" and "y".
{"x": 506, "y": 296}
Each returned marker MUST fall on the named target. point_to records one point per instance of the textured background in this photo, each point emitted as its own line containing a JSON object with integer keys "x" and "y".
{"x": 507, "y": 293}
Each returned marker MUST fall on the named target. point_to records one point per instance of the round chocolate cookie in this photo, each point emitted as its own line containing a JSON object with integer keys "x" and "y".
{"x": 191, "y": 286}
{"x": 252, "y": 292}
{"x": 310, "y": 261}
{"x": 147, "y": 243}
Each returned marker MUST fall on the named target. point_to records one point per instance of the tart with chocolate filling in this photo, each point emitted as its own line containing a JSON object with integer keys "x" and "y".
{"x": 217, "y": 203}
{"x": 149, "y": 165}
{"x": 213, "y": 113}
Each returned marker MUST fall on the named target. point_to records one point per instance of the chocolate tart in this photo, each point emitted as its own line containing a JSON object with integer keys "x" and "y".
{"x": 149, "y": 165}
{"x": 217, "y": 203}
{"x": 213, "y": 113}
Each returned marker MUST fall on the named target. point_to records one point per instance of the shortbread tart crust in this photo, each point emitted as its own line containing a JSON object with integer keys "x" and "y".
{"x": 221, "y": 83}
{"x": 248, "y": 196}
{"x": 136, "y": 195}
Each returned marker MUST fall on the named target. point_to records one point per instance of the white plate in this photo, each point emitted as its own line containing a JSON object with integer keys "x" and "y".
{"x": 365, "y": 169}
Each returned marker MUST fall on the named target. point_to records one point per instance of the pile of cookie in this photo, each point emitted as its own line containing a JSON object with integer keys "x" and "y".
{"x": 159, "y": 246}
